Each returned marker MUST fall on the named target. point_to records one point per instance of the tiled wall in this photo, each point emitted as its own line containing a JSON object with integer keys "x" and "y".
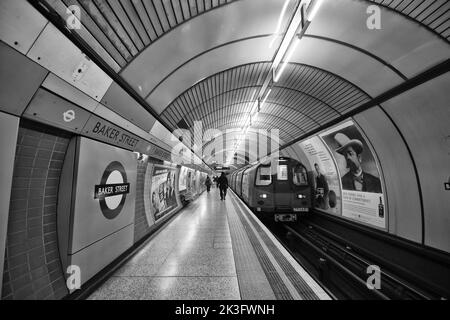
{"x": 32, "y": 266}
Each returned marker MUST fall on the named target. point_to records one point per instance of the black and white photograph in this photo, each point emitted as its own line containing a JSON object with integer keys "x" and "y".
{"x": 362, "y": 194}
{"x": 224, "y": 159}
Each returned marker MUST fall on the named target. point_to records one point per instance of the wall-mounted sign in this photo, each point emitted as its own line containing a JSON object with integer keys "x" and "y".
{"x": 326, "y": 180}
{"x": 103, "y": 206}
{"x": 51, "y": 109}
{"x": 112, "y": 190}
{"x": 100, "y": 129}
{"x": 162, "y": 193}
{"x": 362, "y": 193}
{"x": 221, "y": 168}
{"x": 69, "y": 116}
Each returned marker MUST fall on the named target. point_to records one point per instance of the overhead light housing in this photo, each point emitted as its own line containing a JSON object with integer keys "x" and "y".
{"x": 279, "y": 22}
{"x": 265, "y": 98}
{"x": 313, "y": 9}
{"x": 288, "y": 58}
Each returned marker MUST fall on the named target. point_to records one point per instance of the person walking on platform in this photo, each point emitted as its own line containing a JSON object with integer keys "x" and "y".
{"x": 223, "y": 185}
{"x": 208, "y": 184}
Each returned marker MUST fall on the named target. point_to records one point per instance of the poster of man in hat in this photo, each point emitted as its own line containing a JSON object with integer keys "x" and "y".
{"x": 362, "y": 194}
{"x": 355, "y": 160}
{"x": 355, "y": 178}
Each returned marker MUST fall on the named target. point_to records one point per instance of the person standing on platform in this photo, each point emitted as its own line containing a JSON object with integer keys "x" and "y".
{"x": 208, "y": 184}
{"x": 322, "y": 189}
{"x": 217, "y": 182}
{"x": 223, "y": 185}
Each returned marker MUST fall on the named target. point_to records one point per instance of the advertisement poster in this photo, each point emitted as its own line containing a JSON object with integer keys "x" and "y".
{"x": 190, "y": 181}
{"x": 362, "y": 194}
{"x": 327, "y": 184}
{"x": 162, "y": 193}
{"x": 182, "y": 185}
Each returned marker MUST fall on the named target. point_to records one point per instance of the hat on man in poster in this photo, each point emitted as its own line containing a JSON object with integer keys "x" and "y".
{"x": 345, "y": 142}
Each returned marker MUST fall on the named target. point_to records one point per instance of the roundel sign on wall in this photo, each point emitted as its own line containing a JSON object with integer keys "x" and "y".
{"x": 112, "y": 190}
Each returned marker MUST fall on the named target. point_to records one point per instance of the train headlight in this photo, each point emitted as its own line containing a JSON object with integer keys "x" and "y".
{"x": 301, "y": 196}
{"x": 264, "y": 196}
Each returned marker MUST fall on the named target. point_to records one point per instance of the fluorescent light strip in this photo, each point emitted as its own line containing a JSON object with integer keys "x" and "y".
{"x": 290, "y": 34}
{"x": 265, "y": 98}
{"x": 279, "y": 23}
{"x": 255, "y": 107}
{"x": 314, "y": 9}
{"x": 288, "y": 58}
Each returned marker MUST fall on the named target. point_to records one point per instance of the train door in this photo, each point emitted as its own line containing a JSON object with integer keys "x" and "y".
{"x": 245, "y": 185}
{"x": 301, "y": 198}
{"x": 282, "y": 186}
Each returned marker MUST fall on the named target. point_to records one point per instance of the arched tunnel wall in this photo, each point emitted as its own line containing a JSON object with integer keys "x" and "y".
{"x": 423, "y": 117}
{"x": 44, "y": 208}
{"x": 410, "y": 134}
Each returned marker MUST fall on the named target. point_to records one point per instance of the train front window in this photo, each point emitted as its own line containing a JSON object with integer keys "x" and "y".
{"x": 299, "y": 175}
{"x": 282, "y": 174}
{"x": 263, "y": 176}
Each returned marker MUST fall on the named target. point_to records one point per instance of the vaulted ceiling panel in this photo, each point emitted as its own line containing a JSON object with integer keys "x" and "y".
{"x": 208, "y": 60}
{"x": 435, "y": 14}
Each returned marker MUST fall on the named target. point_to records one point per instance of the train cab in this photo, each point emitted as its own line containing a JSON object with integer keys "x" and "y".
{"x": 280, "y": 188}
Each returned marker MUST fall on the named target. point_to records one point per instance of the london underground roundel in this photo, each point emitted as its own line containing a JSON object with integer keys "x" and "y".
{"x": 112, "y": 190}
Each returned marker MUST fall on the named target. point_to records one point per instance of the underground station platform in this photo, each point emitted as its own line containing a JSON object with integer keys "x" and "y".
{"x": 213, "y": 250}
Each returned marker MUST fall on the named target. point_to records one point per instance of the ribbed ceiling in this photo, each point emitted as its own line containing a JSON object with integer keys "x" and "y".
{"x": 306, "y": 99}
{"x": 435, "y": 14}
{"x": 125, "y": 28}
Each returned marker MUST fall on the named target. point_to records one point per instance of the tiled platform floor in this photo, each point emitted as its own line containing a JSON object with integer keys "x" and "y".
{"x": 195, "y": 258}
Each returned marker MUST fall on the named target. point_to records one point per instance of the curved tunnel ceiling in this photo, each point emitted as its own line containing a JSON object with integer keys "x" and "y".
{"x": 202, "y": 60}
{"x": 305, "y": 100}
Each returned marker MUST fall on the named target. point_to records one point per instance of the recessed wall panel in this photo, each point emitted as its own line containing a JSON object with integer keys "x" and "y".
{"x": 423, "y": 116}
{"x": 103, "y": 208}
{"x": 66, "y": 90}
{"x": 9, "y": 126}
{"x": 122, "y": 103}
{"x": 56, "y": 111}
{"x": 58, "y": 54}
{"x": 402, "y": 191}
{"x": 20, "y": 24}
{"x": 19, "y": 77}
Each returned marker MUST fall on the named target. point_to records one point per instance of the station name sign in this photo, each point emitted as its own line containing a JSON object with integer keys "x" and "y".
{"x": 221, "y": 168}
{"x": 109, "y": 190}
{"x": 105, "y": 131}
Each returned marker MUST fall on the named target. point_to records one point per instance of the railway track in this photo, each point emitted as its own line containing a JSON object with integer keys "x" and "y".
{"x": 341, "y": 268}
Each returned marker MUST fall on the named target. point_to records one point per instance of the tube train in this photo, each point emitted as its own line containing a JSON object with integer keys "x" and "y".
{"x": 280, "y": 188}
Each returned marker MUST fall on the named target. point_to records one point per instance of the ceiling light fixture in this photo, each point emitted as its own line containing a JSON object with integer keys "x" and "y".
{"x": 291, "y": 31}
{"x": 284, "y": 54}
{"x": 255, "y": 107}
{"x": 313, "y": 9}
{"x": 275, "y": 34}
{"x": 288, "y": 58}
{"x": 265, "y": 98}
